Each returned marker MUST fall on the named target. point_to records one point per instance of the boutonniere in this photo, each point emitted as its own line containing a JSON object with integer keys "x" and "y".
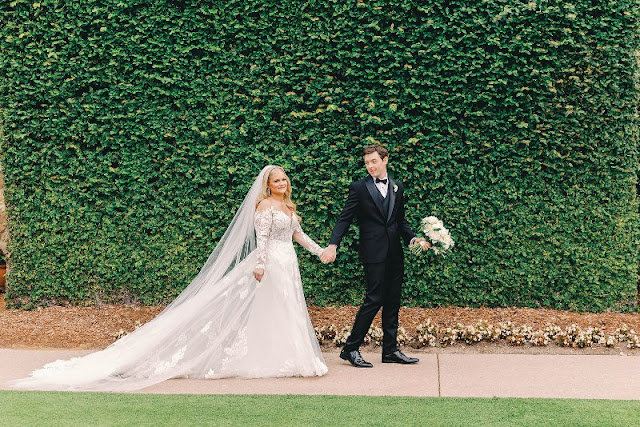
{"x": 395, "y": 188}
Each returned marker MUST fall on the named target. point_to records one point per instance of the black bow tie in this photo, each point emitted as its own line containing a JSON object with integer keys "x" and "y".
{"x": 384, "y": 181}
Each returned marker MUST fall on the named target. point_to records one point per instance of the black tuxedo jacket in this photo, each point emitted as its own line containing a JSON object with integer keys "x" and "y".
{"x": 380, "y": 231}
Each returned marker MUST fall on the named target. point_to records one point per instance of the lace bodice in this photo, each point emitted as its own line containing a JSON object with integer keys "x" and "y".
{"x": 273, "y": 224}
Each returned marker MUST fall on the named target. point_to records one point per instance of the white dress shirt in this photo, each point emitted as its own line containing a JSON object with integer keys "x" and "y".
{"x": 382, "y": 187}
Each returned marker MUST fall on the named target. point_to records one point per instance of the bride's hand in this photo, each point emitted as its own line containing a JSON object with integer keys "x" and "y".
{"x": 258, "y": 273}
{"x": 328, "y": 254}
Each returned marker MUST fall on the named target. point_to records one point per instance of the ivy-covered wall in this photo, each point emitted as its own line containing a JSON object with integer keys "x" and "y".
{"x": 131, "y": 130}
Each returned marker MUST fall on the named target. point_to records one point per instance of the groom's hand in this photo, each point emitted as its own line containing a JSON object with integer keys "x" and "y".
{"x": 426, "y": 246}
{"x": 329, "y": 254}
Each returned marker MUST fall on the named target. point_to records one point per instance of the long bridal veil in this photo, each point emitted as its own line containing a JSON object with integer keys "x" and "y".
{"x": 237, "y": 242}
{"x": 195, "y": 334}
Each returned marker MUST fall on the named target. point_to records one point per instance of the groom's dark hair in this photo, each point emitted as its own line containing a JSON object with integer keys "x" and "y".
{"x": 376, "y": 149}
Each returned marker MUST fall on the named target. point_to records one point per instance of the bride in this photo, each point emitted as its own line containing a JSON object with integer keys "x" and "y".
{"x": 244, "y": 315}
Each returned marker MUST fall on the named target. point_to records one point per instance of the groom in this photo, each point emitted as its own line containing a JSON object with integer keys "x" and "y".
{"x": 377, "y": 202}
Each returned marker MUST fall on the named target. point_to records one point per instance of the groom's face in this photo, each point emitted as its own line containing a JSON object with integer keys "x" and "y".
{"x": 376, "y": 166}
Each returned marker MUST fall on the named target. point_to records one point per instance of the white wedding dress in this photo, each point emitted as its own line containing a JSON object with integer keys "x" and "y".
{"x": 225, "y": 324}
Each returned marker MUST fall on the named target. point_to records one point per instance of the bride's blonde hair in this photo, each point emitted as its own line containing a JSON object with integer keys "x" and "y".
{"x": 265, "y": 192}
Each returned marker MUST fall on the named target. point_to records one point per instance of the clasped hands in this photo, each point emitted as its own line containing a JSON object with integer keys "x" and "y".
{"x": 329, "y": 253}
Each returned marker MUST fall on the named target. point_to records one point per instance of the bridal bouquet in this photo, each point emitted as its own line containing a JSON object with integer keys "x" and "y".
{"x": 437, "y": 233}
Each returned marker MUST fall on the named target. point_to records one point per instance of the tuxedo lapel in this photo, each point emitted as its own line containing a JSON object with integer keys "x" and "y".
{"x": 375, "y": 195}
{"x": 392, "y": 198}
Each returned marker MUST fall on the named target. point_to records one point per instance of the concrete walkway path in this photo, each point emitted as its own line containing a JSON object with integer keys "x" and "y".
{"x": 437, "y": 374}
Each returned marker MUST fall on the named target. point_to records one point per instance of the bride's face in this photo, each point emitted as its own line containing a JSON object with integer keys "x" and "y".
{"x": 278, "y": 182}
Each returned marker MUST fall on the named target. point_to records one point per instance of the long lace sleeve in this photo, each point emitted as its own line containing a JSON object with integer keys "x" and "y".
{"x": 262, "y": 222}
{"x": 306, "y": 241}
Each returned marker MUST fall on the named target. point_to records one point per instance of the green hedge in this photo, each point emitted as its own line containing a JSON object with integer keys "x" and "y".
{"x": 132, "y": 129}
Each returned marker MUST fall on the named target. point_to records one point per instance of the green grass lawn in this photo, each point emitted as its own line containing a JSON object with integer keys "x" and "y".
{"x": 70, "y": 409}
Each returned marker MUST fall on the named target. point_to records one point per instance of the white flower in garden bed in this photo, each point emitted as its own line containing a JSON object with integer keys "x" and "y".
{"x": 374, "y": 335}
{"x": 505, "y": 329}
{"x": 326, "y": 333}
{"x": 596, "y": 336}
{"x": 520, "y": 336}
{"x": 552, "y": 331}
{"x": 403, "y": 337}
{"x": 451, "y": 335}
{"x": 428, "y": 334}
{"x": 540, "y": 338}
{"x": 341, "y": 336}
{"x": 624, "y": 333}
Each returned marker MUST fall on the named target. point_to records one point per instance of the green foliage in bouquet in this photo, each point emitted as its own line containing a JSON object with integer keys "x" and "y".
{"x": 131, "y": 131}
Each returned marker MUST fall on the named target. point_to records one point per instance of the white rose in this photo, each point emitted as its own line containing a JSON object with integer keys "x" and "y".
{"x": 430, "y": 220}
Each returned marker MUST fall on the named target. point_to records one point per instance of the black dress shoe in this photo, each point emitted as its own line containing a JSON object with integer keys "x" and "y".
{"x": 398, "y": 357}
{"x": 355, "y": 358}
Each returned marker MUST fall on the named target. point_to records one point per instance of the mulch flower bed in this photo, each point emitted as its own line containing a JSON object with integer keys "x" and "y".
{"x": 96, "y": 327}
